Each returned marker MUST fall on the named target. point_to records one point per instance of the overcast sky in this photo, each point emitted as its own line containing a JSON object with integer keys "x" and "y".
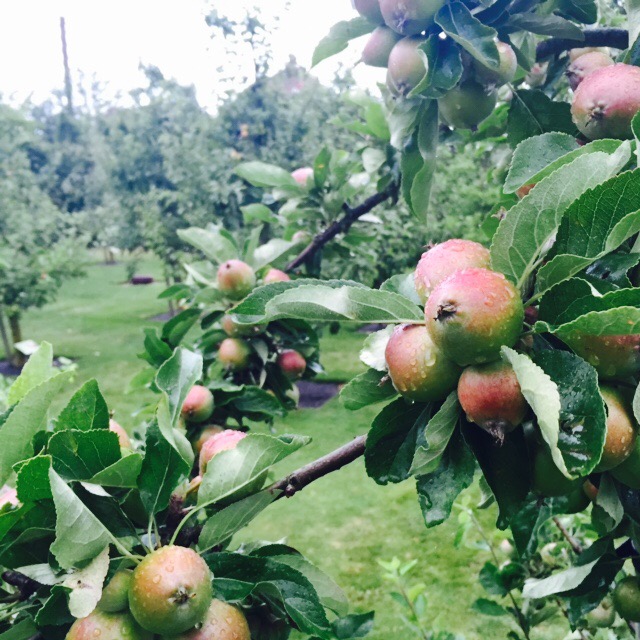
{"x": 110, "y": 39}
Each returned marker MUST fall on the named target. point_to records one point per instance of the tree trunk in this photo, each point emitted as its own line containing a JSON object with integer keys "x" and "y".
{"x": 67, "y": 72}
{"x": 18, "y": 358}
{"x": 172, "y": 309}
{"x": 6, "y": 343}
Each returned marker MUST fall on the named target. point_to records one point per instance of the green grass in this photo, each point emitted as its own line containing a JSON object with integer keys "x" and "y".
{"x": 343, "y": 522}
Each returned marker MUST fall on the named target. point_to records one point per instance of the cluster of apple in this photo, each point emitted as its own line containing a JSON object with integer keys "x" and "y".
{"x": 471, "y": 312}
{"x": 169, "y": 593}
{"x": 395, "y": 45}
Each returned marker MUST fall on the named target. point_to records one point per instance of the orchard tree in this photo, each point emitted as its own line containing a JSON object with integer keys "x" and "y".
{"x": 38, "y": 244}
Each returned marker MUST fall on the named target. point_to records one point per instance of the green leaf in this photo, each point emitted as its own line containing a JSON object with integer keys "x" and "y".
{"x": 558, "y": 582}
{"x": 530, "y": 225}
{"x": 237, "y": 577}
{"x": 272, "y": 252}
{"x": 583, "y": 11}
{"x": 39, "y": 367}
{"x": 444, "y": 68}
{"x": 86, "y": 410}
{"x": 261, "y": 174}
{"x": 537, "y": 157}
{"x": 593, "y": 226}
{"x": 574, "y": 305}
{"x": 489, "y": 608}
{"x": 533, "y": 113}
{"x": 607, "y": 511}
{"x": 543, "y": 396}
{"x": 175, "y": 379}
{"x": 321, "y": 303}
{"x": 85, "y": 585}
{"x": 228, "y": 521}
{"x": 215, "y": 245}
{"x": 80, "y": 536}
{"x": 79, "y": 455}
{"x": 155, "y": 351}
{"x": 254, "y": 307}
{"x": 353, "y": 626}
{"x": 502, "y": 466}
{"x": 23, "y": 630}
{"x": 437, "y": 491}
{"x": 32, "y": 481}
{"x": 26, "y": 419}
{"x": 232, "y": 471}
{"x": 174, "y": 331}
{"x": 633, "y": 20}
{"x": 257, "y": 212}
{"x": 339, "y": 36}
{"x": 163, "y": 468}
{"x": 123, "y": 473}
{"x": 582, "y": 421}
{"x": 427, "y": 145}
{"x": 373, "y": 350}
{"x": 546, "y": 25}
{"x": 330, "y": 594}
{"x": 366, "y": 389}
{"x": 392, "y": 440}
{"x": 433, "y": 441}
{"x": 479, "y": 40}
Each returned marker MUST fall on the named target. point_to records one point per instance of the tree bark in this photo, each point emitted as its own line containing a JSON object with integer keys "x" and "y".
{"x": 67, "y": 72}
{"x": 6, "y": 343}
{"x": 616, "y": 38}
{"x": 18, "y": 359}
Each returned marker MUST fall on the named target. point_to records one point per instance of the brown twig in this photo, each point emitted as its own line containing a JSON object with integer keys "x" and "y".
{"x": 575, "y": 545}
{"x": 615, "y": 38}
{"x": 25, "y": 585}
{"x": 342, "y": 225}
{"x": 333, "y": 461}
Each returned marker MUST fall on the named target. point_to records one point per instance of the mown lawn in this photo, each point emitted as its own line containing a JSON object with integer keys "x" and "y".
{"x": 343, "y": 522}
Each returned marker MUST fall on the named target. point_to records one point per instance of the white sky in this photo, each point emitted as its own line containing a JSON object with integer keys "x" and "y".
{"x": 110, "y": 39}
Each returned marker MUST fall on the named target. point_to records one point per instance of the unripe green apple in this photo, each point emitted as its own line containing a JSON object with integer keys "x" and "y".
{"x": 628, "y": 472}
{"x": 369, "y": 9}
{"x": 236, "y": 330}
{"x": 275, "y": 275}
{"x": 170, "y": 590}
{"x": 603, "y": 616}
{"x": 409, "y": 17}
{"x": 585, "y": 65}
{"x": 100, "y": 625}
{"x": 606, "y": 101}
{"x": 576, "y": 501}
{"x": 123, "y": 436}
{"x": 115, "y": 596}
{"x": 222, "y": 622}
{"x": 418, "y": 369}
{"x": 292, "y": 364}
{"x": 407, "y": 66}
{"x": 490, "y": 395}
{"x": 613, "y": 357}
{"x": 506, "y": 70}
{"x": 234, "y": 354}
{"x": 621, "y": 430}
{"x": 626, "y": 599}
{"x": 445, "y": 259}
{"x": 236, "y": 279}
{"x": 467, "y": 105}
{"x": 547, "y": 480}
{"x": 378, "y": 48}
{"x": 198, "y": 405}
{"x": 473, "y": 314}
